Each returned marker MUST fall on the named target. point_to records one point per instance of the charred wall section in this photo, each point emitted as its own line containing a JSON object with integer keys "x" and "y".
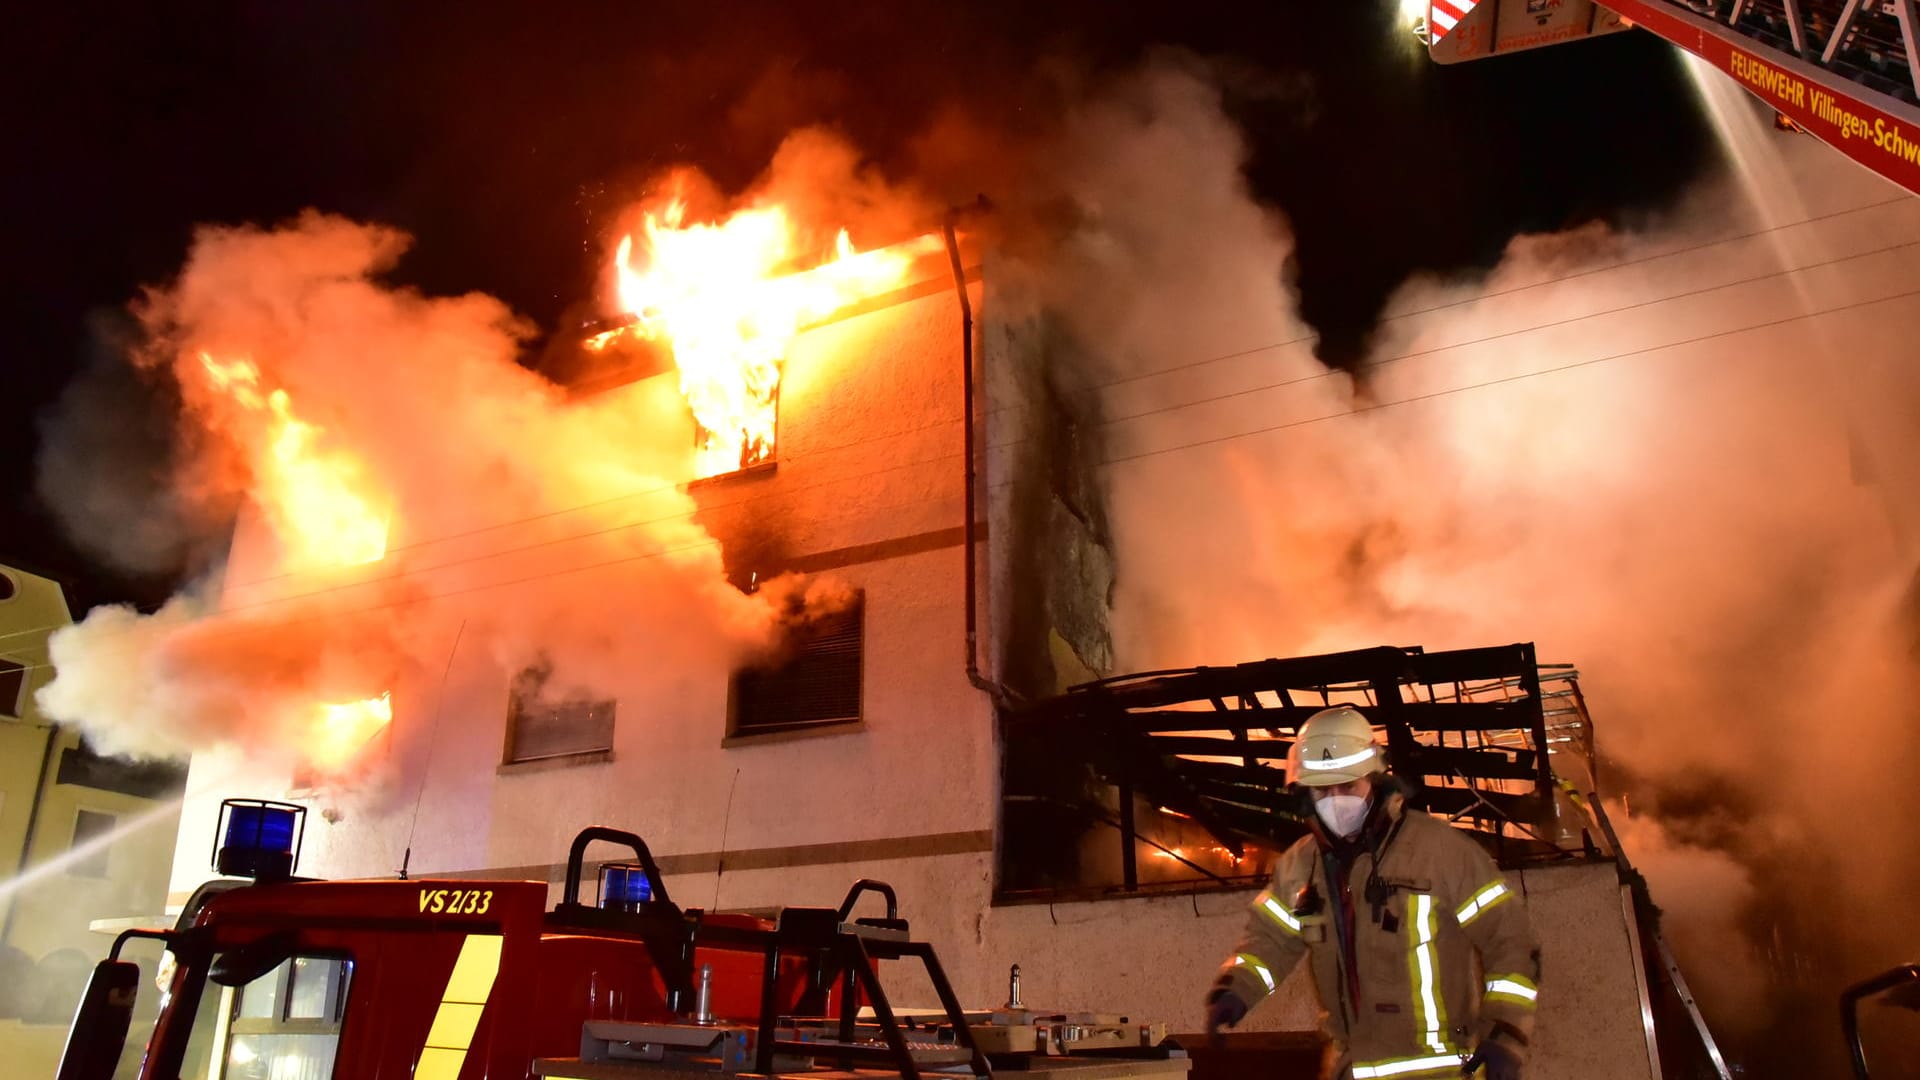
{"x": 1051, "y": 575}
{"x": 1052, "y": 562}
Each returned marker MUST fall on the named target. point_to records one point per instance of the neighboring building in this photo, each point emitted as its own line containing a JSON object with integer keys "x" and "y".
{"x": 874, "y": 752}
{"x": 81, "y": 837}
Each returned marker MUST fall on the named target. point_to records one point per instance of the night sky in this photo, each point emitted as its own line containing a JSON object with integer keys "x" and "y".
{"x": 503, "y": 135}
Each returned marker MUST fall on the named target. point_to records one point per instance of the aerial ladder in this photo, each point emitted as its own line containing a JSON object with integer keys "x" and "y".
{"x": 1845, "y": 71}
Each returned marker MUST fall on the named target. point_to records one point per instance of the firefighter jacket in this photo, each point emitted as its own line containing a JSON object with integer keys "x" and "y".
{"x": 1388, "y": 923}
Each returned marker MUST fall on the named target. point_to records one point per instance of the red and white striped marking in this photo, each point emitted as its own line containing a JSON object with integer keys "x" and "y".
{"x": 1446, "y": 14}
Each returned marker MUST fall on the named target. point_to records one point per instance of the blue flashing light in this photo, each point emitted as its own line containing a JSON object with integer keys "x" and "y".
{"x": 624, "y": 886}
{"x": 259, "y": 840}
{"x": 267, "y": 828}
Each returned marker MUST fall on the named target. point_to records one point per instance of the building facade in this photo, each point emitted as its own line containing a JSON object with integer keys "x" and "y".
{"x": 874, "y": 752}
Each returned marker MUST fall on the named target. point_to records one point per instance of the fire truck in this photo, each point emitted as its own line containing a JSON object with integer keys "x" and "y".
{"x": 275, "y": 977}
{"x": 1845, "y": 71}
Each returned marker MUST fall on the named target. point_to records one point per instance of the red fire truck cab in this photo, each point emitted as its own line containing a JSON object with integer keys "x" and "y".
{"x": 279, "y": 977}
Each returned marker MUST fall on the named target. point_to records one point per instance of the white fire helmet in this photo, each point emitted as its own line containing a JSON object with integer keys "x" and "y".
{"x": 1335, "y": 746}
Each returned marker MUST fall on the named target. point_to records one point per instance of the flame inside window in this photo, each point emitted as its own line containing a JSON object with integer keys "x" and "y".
{"x": 724, "y": 297}
{"x": 342, "y": 729}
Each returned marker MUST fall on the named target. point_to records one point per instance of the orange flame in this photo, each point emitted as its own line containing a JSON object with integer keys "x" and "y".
{"x": 340, "y": 730}
{"x": 309, "y": 496}
{"x": 720, "y": 295}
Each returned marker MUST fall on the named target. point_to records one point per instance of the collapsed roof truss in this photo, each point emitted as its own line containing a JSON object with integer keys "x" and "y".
{"x": 1485, "y": 736}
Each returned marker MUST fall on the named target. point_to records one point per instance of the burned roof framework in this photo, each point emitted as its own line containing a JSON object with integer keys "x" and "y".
{"x": 1467, "y": 729}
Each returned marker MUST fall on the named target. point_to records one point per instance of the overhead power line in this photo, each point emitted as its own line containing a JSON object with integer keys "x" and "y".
{"x": 1374, "y": 365}
{"x": 1519, "y": 377}
{"x": 245, "y": 628}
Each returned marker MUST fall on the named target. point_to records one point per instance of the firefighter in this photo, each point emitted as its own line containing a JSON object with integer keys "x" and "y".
{"x": 1387, "y": 904}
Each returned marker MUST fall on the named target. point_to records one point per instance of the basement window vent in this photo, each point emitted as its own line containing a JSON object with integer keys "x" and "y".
{"x": 540, "y": 727}
{"x": 814, "y": 684}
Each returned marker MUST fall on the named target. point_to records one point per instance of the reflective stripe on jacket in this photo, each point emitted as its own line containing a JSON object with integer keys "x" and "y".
{"x": 1420, "y": 1006}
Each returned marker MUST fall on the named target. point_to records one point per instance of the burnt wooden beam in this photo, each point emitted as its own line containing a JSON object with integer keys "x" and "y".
{"x": 1264, "y": 749}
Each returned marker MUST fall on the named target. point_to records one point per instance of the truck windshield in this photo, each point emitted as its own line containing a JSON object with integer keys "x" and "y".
{"x": 284, "y": 1025}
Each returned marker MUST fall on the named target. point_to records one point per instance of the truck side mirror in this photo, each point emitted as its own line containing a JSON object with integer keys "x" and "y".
{"x": 240, "y": 966}
{"x": 100, "y": 1024}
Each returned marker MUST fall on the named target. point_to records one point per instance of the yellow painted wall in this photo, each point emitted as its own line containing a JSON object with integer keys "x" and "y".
{"x": 48, "y": 900}
{"x": 55, "y": 911}
{"x": 36, "y": 608}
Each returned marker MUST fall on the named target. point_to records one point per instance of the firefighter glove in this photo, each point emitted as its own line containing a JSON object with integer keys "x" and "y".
{"x": 1501, "y": 1061}
{"x": 1224, "y": 1009}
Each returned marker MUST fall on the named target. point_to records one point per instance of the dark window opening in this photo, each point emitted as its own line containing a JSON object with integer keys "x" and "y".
{"x": 88, "y": 827}
{"x": 540, "y": 726}
{"x": 1064, "y": 823}
{"x": 13, "y": 680}
{"x": 813, "y": 683}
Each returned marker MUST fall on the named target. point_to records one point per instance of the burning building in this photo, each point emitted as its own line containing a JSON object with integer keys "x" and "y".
{"x": 780, "y": 634}
{"x": 775, "y": 621}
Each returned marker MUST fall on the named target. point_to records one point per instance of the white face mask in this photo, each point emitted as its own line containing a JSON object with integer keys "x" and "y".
{"x": 1344, "y": 814}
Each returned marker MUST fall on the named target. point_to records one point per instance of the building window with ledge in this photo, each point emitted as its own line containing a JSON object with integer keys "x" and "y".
{"x": 90, "y": 826}
{"x": 541, "y": 727}
{"x": 13, "y": 680}
{"x": 814, "y": 683}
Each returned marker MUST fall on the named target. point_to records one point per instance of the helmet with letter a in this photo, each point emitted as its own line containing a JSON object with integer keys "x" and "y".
{"x": 1334, "y": 746}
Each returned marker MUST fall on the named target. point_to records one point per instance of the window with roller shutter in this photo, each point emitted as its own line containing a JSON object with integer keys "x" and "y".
{"x": 815, "y": 684}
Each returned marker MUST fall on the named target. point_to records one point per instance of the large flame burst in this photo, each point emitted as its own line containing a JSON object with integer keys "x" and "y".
{"x": 310, "y": 497}
{"x": 722, "y": 296}
{"x": 313, "y": 501}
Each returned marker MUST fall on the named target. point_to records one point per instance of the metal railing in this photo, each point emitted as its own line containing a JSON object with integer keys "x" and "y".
{"x": 1870, "y": 42}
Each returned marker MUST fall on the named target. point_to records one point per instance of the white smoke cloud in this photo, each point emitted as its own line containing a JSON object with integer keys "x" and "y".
{"x": 1700, "y": 892}
{"x": 1154, "y": 252}
{"x": 1645, "y": 449}
{"x": 568, "y": 518}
